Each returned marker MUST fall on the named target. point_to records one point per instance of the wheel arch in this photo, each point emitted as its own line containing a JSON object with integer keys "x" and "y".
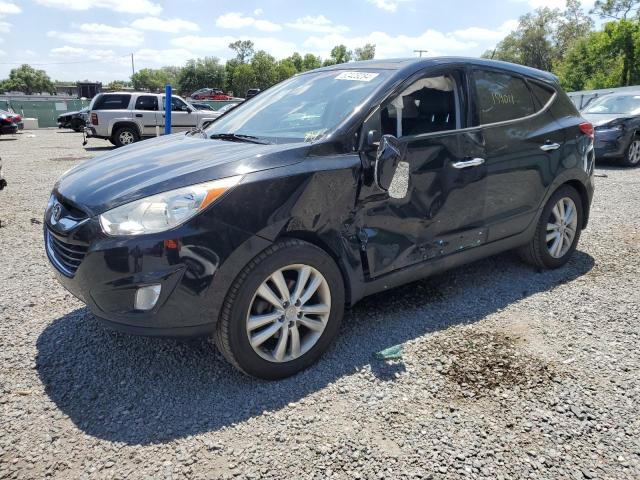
{"x": 125, "y": 123}
{"x": 584, "y": 197}
{"x": 316, "y": 240}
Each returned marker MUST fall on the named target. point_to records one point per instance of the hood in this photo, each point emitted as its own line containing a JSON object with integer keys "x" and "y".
{"x": 597, "y": 119}
{"x": 165, "y": 163}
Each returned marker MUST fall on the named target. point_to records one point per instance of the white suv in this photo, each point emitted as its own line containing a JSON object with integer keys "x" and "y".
{"x": 125, "y": 117}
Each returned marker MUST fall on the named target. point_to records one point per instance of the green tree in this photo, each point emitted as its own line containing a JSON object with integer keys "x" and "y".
{"x": 265, "y": 69}
{"x": 244, "y": 50}
{"x": 116, "y": 85}
{"x": 365, "y": 53}
{"x": 616, "y": 9}
{"x": 201, "y": 73}
{"x": 243, "y": 79}
{"x": 297, "y": 61}
{"x": 574, "y": 24}
{"x": 285, "y": 69}
{"x": 340, "y": 54}
{"x": 27, "y": 79}
{"x": 310, "y": 62}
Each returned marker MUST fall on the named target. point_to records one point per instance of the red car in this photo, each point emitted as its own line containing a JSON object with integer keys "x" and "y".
{"x": 210, "y": 94}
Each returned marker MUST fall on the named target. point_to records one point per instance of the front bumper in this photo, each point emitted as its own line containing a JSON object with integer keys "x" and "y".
{"x": 194, "y": 264}
{"x": 611, "y": 143}
{"x": 8, "y": 129}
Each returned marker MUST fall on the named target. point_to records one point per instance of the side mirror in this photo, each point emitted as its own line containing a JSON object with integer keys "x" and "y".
{"x": 388, "y": 156}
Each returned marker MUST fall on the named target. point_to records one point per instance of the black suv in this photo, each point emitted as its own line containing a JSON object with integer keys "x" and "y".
{"x": 332, "y": 185}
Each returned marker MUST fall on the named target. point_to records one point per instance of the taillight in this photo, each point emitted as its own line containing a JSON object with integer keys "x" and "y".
{"x": 587, "y": 129}
{"x": 94, "y": 118}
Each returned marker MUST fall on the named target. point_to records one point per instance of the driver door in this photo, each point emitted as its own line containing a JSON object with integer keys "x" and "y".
{"x": 182, "y": 118}
{"x": 434, "y": 206}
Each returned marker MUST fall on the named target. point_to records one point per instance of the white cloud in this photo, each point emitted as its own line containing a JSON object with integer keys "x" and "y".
{"x": 5, "y": 27}
{"x": 78, "y": 52}
{"x": 8, "y": 8}
{"x": 388, "y": 5}
{"x": 146, "y": 57}
{"x": 487, "y": 34}
{"x": 258, "y": 11}
{"x": 2, "y": 53}
{"x": 173, "y": 25}
{"x": 100, "y": 34}
{"x": 219, "y": 46}
{"x": 125, "y": 6}
{"x": 388, "y": 46}
{"x": 237, "y": 20}
{"x": 561, "y": 4}
{"x": 319, "y": 23}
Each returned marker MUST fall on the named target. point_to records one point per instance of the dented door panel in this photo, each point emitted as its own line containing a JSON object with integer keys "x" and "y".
{"x": 441, "y": 212}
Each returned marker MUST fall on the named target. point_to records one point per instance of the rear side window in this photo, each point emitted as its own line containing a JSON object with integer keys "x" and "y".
{"x": 147, "y": 102}
{"x": 501, "y": 97}
{"x": 112, "y": 102}
{"x": 542, "y": 94}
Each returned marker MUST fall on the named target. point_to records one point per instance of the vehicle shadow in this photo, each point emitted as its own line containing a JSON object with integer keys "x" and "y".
{"x": 99, "y": 149}
{"x": 144, "y": 390}
{"x": 7, "y": 139}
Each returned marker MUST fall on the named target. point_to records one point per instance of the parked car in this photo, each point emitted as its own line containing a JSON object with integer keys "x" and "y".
{"x": 616, "y": 118}
{"x": 202, "y": 106}
{"x": 14, "y": 117}
{"x": 252, "y": 92}
{"x": 124, "y": 118}
{"x": 414, "y": 167}
{"x": 210, "y": 94}
{"x": 8, "y": 123}
{"x": 74, "y": 120}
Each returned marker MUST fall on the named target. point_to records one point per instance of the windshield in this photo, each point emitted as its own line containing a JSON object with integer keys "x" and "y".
{"x": 621, "y": 104}
{"x": 301, "y": 109}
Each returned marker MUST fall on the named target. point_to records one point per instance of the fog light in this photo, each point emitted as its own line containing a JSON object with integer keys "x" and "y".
{"x": 146, "y": 297}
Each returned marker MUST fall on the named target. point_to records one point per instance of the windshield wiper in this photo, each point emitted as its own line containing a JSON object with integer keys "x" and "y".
{"x": 238, "y": 137}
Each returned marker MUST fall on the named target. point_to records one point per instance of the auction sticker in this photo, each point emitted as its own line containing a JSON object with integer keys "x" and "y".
{"x": 357, "y": 76}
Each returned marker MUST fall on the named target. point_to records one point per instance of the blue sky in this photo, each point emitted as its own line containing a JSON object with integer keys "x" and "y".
{"x": 92, "y": 39}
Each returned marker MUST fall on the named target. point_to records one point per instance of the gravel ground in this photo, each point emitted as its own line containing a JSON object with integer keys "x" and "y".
{"x": 505, "y": 372}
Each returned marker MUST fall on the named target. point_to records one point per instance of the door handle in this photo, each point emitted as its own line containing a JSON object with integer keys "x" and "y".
{"x": 474, "y": 162}
{"x": 138, "y": 115}
{"x": 547, "y": 147}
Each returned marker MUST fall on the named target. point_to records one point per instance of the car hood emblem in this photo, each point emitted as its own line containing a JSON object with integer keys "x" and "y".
{"x": 56, "y": 213}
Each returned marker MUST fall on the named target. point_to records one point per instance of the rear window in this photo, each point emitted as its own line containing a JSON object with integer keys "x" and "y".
{"x": 501, "y": 97}
{"x": 147, "y": 102}
{"x": 112, "y": 102}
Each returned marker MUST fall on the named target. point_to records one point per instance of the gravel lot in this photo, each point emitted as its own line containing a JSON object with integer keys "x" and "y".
{"x": 506, "y": 372}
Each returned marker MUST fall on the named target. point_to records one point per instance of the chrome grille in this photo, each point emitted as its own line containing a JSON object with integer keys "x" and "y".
{"x": 66, "y": 257}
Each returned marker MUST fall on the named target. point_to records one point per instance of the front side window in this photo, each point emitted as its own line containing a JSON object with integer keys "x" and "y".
{"x": 428, "y": 105}
{"x": 501, "y": 97}
{"x": 147, "y": 102}
{"x": 303, "y": 108}
{"x": 178, "y": 105}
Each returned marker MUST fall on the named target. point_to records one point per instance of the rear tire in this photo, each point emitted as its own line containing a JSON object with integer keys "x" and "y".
{"x": 558, "y": 230}
{"x": 632, "y": 156}
{"x": 308, "y": 326}
{"x": 125, "y": 136}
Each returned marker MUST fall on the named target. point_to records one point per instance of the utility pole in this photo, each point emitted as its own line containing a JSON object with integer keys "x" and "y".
{"x": 133, "y": 70}
{"x": 421, "y": 52}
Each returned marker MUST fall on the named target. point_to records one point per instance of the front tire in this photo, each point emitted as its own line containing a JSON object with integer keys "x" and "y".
{"x": 632, "y": 156}
{"x": 558, "y": 230}
{"x": 282, "y": 312}
{"x": 125, "y": 136}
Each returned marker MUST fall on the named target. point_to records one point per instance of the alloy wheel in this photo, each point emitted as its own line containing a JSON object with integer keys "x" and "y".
{"x": 634, "y": 152}
{"x": 288, "y": 313}
{"x": 126, "y": 137}
{"x": 561, "y": 227}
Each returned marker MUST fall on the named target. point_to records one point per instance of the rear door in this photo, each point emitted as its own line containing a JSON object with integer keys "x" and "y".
{"x": 436, "y": 206}
{"x": 146, "y": 114}
{"x": 523, "y": 147}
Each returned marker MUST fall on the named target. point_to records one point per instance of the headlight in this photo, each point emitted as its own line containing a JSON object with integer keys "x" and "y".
{"x": 164, "y": 211}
